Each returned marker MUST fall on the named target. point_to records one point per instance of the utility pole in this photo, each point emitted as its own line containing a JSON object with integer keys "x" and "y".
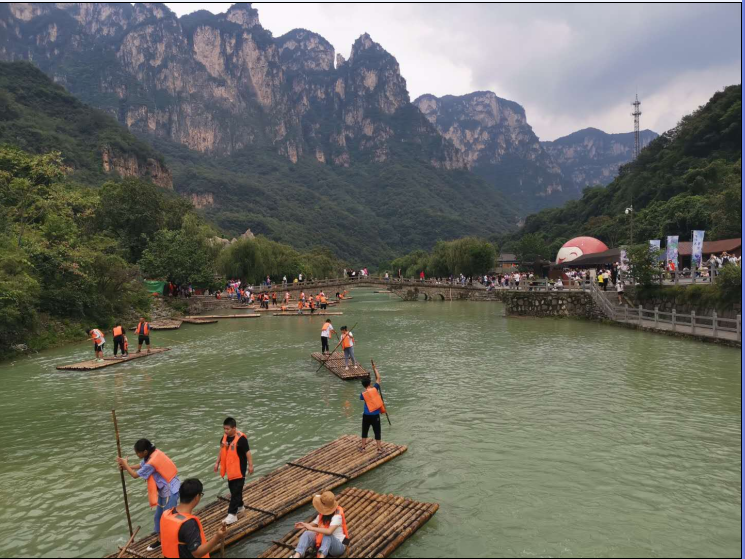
{"x": 636, "y": 114}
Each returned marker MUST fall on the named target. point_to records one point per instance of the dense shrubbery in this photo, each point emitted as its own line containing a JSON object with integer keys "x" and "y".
{"x": 252, "y": 260}
{"x": 688, "y": 178}
{"x": 723, "y": 295}
{"x": 469, "y": 256}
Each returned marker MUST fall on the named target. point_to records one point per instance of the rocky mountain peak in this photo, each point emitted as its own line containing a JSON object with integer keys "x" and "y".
{"x": 303, "y": 49}
{"x": 243, "y": 14}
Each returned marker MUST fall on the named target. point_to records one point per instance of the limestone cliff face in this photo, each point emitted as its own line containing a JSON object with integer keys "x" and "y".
{"x": 219, "y": 83}
{"x": 591, "y": 156}
{"x": 128, "y": 166}
{"x": 497, "y": 142}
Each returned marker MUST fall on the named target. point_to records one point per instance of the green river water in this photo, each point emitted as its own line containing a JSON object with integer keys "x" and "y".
{"x": 538, "y": 437}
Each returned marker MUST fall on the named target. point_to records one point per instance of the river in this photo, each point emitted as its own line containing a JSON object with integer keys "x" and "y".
{"x": 538, "y": 437}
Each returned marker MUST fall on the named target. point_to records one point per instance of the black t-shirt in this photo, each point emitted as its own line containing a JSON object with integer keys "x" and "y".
{"x": 191, "y": 536}
{"x": 241, "y": 448}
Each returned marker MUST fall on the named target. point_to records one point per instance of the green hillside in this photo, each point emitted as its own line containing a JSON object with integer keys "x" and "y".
{"x": 365, "y": 214}
{"x": 688, "y": 178}
{"x": 39, "y": 116}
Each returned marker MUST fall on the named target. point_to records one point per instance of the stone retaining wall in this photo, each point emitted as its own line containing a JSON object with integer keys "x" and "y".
{"x": 551, "y": 304}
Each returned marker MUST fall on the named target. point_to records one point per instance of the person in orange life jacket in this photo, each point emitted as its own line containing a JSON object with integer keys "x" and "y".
{"x": 181, "y": 532}
{"x": 162, "y": 480}
{"x": 371, "y": 416}
{"x": 118, "y": 333}
{"x": 98, "y": 342}
{"x": 274, "y": 298}
{"x": 300, "y": 306}
{"x": 312, "y": 305}
{"x": 234, "y": 459}
{"x": 329, "y": 533}
{"x": 143, "y": 333}
{"x": 347, "y": 342}
{"x": 323, "y": 300}
{"x": 326, "y": 332}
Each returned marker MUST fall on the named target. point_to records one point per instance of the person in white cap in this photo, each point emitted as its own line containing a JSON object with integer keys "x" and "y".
{"x": 329, "y": 532}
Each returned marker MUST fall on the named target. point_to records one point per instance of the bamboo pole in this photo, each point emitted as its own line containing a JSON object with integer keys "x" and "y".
{"x": 375, "y": 370}
{"x": 124, "y": 485}
{"x": 129, "y": 542}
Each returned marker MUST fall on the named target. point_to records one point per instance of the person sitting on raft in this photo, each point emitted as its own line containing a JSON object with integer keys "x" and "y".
{"x": 182, "y": 532}
{"x": 162, "y": 480}
{"x": 328, "y": 533}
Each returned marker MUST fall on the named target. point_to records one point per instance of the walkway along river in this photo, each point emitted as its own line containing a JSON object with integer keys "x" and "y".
{"x": 538, "y": 437}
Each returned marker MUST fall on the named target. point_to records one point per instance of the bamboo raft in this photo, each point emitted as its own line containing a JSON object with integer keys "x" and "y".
{"x": 335, "y": 364}
{"x": 165, "y": 324}
{"x": 307, "y": 313}
{"x": 378, "y": 524}
{"x": 286, "y": 489}
{"x": 220, "y": 317}
{"x": 190, "y": 320}
{"x": 109, "y": 361}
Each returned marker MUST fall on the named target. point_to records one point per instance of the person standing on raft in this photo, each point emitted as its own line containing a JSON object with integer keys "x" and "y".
{"x": 326, "y": 332}
{"x": 118, "y": 333}
{"x": 98, "y": 342}
{"x": 143, "y": 334}
{"x": 182, "y": 533}
{"x": 373, "y": 407}
{"x": 329, "y": 532}
{"x": 234, "y": 459}
{"x": 347, "y": 342}
{"x": 162, "y": 479}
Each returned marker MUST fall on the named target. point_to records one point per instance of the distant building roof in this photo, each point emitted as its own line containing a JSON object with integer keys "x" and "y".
{"x": 609, "y": 256}
{"x": 712, "y": 247}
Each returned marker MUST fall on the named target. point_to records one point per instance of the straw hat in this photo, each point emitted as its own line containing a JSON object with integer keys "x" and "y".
{"x": 325, "y": 504}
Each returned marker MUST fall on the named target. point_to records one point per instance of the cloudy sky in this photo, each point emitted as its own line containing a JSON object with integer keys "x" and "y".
{"x": 570, "y": 66}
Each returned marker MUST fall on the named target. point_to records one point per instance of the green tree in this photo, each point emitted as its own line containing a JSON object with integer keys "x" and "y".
{"x": 178, "y": 257}
{"x": 532, "y": 248}
{"x": 643, "y": 268}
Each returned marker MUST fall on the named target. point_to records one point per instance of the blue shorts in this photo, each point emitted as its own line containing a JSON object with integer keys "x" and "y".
{"x": 164, "y": 504}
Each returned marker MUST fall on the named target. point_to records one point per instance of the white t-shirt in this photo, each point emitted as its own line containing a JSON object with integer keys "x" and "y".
{"x": 326, "y": 332}
{"x": 335, "y": 521}
{"x": 619, "y": 286}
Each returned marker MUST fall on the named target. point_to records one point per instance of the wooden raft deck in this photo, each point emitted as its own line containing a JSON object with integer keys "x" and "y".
{"x": 222, "y": 316}
{"x": 335, "y": 364}
{"x": 191, "y": 320}
{"x": 378, "y": 524}
{"x": 165, "y": 324}
{"x": 307, "y": 313}
{"x": 109, "y": 361}
{"x": 287, "y": 489}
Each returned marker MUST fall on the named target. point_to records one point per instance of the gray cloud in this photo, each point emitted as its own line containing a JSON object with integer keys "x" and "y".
{"x": 570, "y": 65}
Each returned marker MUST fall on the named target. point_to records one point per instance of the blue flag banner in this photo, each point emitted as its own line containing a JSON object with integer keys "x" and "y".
{"x": 697, "y": 249}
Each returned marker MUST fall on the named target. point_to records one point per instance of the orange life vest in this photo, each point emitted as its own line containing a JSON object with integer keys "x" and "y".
{"x": 327, "y": 327}
{"x": 323, "y": 299}
{"x": 300, "y": 304}
{"x": 283, "y": 308}
{"x": 143, "y": 329}
{"x": 230, "y": 462}
{"x": 96, "y": 335}
{"x": 118, "y": 331}
{"x": 170, "y": 524}
{"x": 322, "y": 524}
{"x": 167, "y": 470}
{"x": 347, "y": 340}
{"x": 125, "y": 345}
{"x": 373, "y": 400}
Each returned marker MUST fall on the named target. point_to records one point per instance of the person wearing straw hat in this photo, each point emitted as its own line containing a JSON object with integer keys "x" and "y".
{"x": 328, "y": 533}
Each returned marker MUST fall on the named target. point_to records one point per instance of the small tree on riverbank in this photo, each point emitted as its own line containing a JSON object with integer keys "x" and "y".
{"x": 643, "y": 268}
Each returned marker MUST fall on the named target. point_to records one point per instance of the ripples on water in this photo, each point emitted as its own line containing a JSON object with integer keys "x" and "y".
{"x": 537, "y": 437}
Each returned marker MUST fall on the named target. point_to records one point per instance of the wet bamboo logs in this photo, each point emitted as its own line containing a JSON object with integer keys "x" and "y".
{"x": 307, "y": 313}
{"x": 165, "y": 324}
{"x": 378, "y": 524}
{"x": 335, "y": 364}
{"x": 109, "y": 361}
{"x": 287, "y": 488}
{"x": 220, "y": 317}
{"x": 200, "y": 321}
